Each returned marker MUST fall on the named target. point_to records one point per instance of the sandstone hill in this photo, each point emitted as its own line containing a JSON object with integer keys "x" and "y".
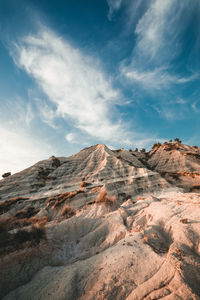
{"x": 103, "y": 224}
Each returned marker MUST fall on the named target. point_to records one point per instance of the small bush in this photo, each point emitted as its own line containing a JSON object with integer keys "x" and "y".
{"x": 183, "y": 221}
{"x": 105, "y": 198}
{"x": 21, "y": 236}
{"x": 14, "y": 222}
{"x": 6, "y": 174}
{"x": 140, "y": 198}
{"x": 5, "y": 205}
{"x": 34, "y": 236}
{"x": 37, "y": 233}
{"x": 83, "y": 183}
{"x": 11, "y": 241}
{"x": 195, "y": 187}
{"x": 67, "y": 211}
{"x": 3, "y": 227}
{"x": 156, "y": 145}
{"x": 177, "y": 140}
{"x": 4, "y": 235}
{"x": 26, "y": 213}
{"x": 56, "y": 201}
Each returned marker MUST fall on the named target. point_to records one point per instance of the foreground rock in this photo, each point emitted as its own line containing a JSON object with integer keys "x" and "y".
{"x": 101, "y": 224}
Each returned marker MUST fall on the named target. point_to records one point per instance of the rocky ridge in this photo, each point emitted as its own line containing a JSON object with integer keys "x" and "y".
{"x": 103, "y": 224}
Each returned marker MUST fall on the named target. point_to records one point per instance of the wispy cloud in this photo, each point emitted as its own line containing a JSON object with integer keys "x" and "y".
{"x": 157, "y": 78}
{"x": 159, "y": 34}
{"x": 196, "y": 106}
{"x": 114, "y": 5}
{"x": 75, "y": 83}
{"x": 151, "y": 28}
{"x": 47, "y": 113}
{"x": 20, "y": 111}
{"x": 70, "y": 137}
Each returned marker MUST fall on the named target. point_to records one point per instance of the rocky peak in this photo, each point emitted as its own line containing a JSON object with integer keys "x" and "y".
{"x": 103, "y": 223}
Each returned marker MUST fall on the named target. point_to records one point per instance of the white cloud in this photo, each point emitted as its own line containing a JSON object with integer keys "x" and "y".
{"x": 157, "y": 78}
{"x": 19, "y": 151}
{"x": 29, "y": 116}
{"x": 47, "y": 114}
{"x": 19, "y": 111}
{"x": 161, "y": 29}
{"x": 74, "y": 82}
{"x": 195, "y": 106}
{"x": 114, "y": 5}
{"x": 181, "y": 101}
{"x": 158, "y": 43}
{"x": 70, "y": 137}
{"x": 153, "y": 26}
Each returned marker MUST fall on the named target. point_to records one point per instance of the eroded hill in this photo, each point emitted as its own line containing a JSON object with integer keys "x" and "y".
{"x": 103, "y": 224}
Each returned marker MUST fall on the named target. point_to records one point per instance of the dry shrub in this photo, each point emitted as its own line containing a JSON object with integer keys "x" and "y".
{"x": 34, "y": 236}
{"x": 6, "y": 174}
{"x": 15, "y": 222}
{"x": 105, "y": 198}
{"x": 179, "y": 252}
{"x": 39, "y": 222}
{"x": 5, "y": 205}
{"x": 145, "y": 239}
{"x": 95, "y": 189}
{"x": 188, "y": 174}
{"x": 20, "y": 213}
{"x": 26, "y": 213}
{"x": 140, "y": 198}
{"x": 195, "y": 187}
{"x": 10, "y": 242}
{"x": 67, "y": 211}
{"x": 37, "y": 233}
{"x": 56, "y": 201}
{"x": 183, "y": 221}
{"x": 84, "y": 183}
{"x": 4, "y": 235}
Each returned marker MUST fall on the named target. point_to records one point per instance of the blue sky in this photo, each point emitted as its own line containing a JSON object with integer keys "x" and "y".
{"x": 125, "y": 73}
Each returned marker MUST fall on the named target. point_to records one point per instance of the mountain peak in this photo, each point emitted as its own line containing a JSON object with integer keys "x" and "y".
{"x": 125, "y": 213}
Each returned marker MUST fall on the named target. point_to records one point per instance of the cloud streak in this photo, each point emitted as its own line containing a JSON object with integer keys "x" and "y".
{"x": 74, "y": 83}
{"x": 157, "y": 78}
{"x": 159, "y": 34}
{"x": 114, "y": 5}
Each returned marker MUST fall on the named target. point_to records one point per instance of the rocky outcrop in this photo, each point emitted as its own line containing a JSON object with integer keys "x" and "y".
{"x": 178, "y": 163}
{"x": 102, "y": 224}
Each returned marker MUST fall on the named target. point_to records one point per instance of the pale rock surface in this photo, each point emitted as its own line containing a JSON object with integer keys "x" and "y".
{"x": 133, "y": 233}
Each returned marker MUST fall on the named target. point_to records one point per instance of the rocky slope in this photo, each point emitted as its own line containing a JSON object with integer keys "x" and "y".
{"x": 103, "y": 224}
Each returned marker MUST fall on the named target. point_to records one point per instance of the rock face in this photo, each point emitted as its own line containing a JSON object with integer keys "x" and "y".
{"x": 103, "y": 224}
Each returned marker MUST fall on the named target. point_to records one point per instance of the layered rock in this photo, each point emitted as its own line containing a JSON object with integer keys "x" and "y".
{"x": 179, "y": 163}
{"x": 105, "y": 225}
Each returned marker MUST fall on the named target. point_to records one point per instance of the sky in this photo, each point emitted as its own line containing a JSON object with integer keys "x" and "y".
{"x": 74, "y": 73}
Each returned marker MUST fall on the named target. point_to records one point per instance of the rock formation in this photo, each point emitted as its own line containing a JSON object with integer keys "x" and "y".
{"x": 103, "y": 224}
